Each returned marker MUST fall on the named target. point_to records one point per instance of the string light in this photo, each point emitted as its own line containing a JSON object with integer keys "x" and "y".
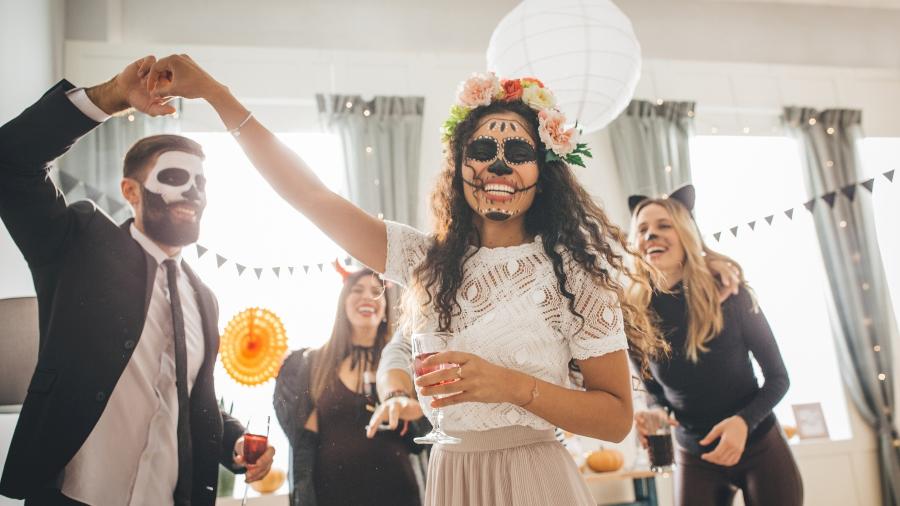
{"x": 349, "y": 105}
{"x": 877, "y": 348}
{"x": 843, "y": 224}
{"x": 829, "y": 163}
{"x": 812, "y": 121}
{"x": 380, "y": 216}
{"x": 368, "y": 149}
{"x": 367, "y": 113}
{"x": 882, "y": 376}
{"x": 746, "y": 130}
{"x": 131, "y": 117}
{"x": 865, "y": 287}
{"x": 830, "y": 131}
{"x": 377, "y": 182}
{"x": 668, "y": 168}
{"x": 660, "y": 101}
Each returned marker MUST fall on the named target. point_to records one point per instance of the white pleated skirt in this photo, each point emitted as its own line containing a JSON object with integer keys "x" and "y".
{"x": 510, "y": 466}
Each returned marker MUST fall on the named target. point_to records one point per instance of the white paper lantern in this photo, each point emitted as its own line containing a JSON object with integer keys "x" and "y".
{"x": 585, "y": 51}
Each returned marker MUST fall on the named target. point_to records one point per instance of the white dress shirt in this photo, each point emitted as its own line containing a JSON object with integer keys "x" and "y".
{"x": 131, "y": 455}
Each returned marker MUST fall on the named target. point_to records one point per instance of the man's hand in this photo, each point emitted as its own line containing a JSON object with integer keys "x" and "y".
{"x": 128, "y": 89}
{"x": 256, "y": 471}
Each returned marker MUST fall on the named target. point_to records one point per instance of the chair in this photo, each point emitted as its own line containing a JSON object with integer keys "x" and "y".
{"x": 18, "y": 350}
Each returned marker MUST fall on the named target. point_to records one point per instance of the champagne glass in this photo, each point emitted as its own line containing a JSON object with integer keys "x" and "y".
{"x": 424, "y": 345}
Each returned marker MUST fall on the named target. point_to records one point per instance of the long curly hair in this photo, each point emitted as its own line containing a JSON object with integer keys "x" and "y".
{"x": 562, "y": 213}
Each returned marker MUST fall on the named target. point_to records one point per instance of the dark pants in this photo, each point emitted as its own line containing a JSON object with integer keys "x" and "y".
{"x": 767, "y": 474}
{"x": 51, "y": 497}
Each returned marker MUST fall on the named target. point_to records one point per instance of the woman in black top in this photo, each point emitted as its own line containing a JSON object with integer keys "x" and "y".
{"x": 323, "y": 400}
{"x": 728, "y": 437}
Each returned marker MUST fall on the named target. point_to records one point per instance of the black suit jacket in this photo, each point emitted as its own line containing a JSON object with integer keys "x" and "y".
{"x": 93, "y": 283}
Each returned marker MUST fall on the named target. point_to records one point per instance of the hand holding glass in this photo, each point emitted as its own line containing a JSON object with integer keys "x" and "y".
{"x": 424, "y": 345}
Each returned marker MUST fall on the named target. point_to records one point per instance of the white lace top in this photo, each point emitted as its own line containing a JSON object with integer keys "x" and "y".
{"x": 513, "y": 315}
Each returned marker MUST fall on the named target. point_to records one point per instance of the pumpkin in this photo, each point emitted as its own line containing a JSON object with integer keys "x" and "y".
{"x": 789, "y": 431}
{"x": 604, "y": 460}
{"x": 271, "y": 483}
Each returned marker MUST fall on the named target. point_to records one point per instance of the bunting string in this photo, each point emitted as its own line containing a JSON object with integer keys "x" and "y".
{"x": 830, "y": 199}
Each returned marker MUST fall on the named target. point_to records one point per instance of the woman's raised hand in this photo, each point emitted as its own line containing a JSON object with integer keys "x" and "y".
{"x": 178, "y": 75}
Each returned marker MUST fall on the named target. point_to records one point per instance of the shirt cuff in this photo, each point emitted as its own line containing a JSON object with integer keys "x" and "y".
{"x": 79, "y": 99}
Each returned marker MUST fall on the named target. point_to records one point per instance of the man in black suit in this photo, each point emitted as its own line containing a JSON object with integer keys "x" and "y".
{"x": 121, "y": 408}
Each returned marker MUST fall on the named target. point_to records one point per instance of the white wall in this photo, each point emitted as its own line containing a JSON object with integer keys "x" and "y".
{"x": 30, "y": 50}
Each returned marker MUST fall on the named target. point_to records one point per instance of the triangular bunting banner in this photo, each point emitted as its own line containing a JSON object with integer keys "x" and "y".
{"x": 291, "y": 270}
{"x": 201, "y": 251}
{"x": 809, "y": 205}
{"x": 348, "y": 261}
{"x": 320, "y": 266}
{"x": 717, "y": 235}
{"x": 240, "y": 268}
{"x": 849, "y": 191}
{"x": 92, "y": 193}
{"x": 752, "y": 225}
{"x": 258, "y": 271}
{"x": 790, "y": 214}
{"x": 220, "y": 260}
{"x": 277, "y": 271}
{"x": 829, "y": 198}
{"x": 306, "y": 269}
{"x": 889, "y": 175}
{"x": 769, "y": 218}
{"x": 67, "y": 182}
{"x": 869, "y": 184}
{"x": 734, "y": 231}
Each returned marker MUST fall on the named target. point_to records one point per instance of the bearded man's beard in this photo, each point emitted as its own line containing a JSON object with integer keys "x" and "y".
{"x": 160, "y": 225}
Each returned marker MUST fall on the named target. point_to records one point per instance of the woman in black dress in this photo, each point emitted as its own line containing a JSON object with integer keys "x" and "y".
{"x": 324, "y": 398}
{"x": 728, "y": 437}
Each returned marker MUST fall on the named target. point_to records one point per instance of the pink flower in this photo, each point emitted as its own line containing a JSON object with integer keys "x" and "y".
{"x": 512, "y": 89}
{"x": 553, "y": 134}
{"x": 478, "y": 90}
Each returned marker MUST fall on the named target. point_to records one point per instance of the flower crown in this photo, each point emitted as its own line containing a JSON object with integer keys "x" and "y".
{"x": 483, "y": 89}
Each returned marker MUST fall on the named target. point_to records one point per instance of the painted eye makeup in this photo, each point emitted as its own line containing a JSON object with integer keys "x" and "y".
{"x": 173, "y": 176}
{"x": 515, "y": 150}
{"x": 483, "y": 149}
{"x": 518, "y": 151}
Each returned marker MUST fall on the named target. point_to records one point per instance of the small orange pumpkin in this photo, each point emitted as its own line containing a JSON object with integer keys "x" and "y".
{"x": 789, "y": 431}
{"x": 271, "y": 483}
{"x": 605, "y": 460}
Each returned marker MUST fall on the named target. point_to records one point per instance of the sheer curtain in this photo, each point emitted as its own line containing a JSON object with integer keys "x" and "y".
{"x": 381, "y": 142}
{"x": 651, "y": 143}
{"x": 863, "y": 318}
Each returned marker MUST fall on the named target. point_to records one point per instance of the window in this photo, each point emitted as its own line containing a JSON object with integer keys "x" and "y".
{"x": 742, "y": 179}
{"x": 247, "y": 222}
{"x": 880, "y": 155}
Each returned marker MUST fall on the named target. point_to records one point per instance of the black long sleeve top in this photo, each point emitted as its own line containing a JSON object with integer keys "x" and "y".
{"x": 722, "y": 382}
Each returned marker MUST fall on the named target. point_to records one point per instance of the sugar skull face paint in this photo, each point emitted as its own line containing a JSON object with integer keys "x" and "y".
{"x": 174, "y": 197}
{"x": 500, "y": 170}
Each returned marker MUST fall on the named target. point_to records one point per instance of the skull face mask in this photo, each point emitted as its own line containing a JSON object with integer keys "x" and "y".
{"x": 174, "y": 196}
{"x": 500, "y": 170}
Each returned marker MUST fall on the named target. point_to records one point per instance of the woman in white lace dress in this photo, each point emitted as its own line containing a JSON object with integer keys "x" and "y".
{"x": 522, "y": 266}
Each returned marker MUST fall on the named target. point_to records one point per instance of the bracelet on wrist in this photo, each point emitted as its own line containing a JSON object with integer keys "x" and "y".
{"x": 396, "y": 393}
{"x": 535, "y": 393}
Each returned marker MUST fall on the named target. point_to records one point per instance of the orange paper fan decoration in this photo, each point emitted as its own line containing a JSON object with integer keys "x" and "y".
{"x": 253, "y": 346}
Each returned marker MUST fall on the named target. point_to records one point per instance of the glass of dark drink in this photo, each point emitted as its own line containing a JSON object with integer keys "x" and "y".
{"x": 661, "y": 450}
{"x": 254, "y": 447}
{"x": 424, "y": 345}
